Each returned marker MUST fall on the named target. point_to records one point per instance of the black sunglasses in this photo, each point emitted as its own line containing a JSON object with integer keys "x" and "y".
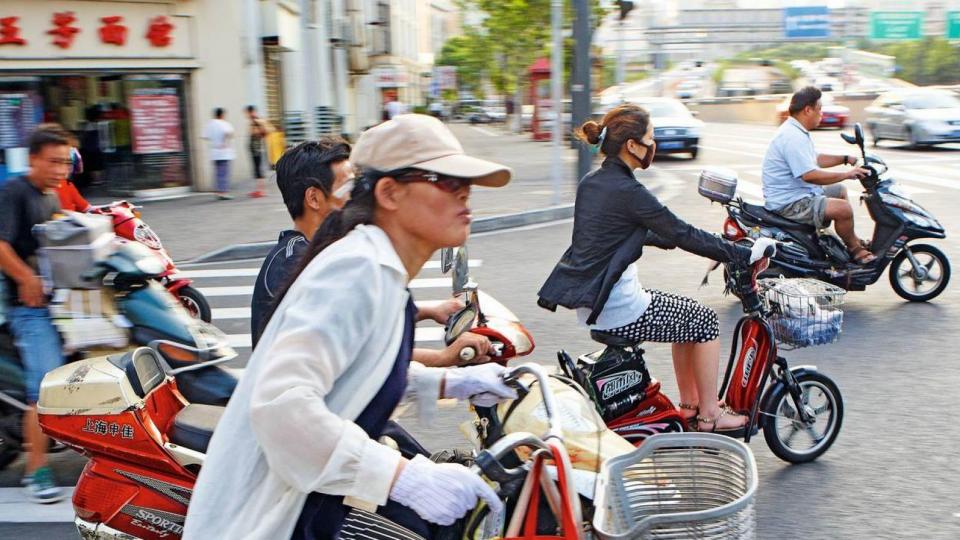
{"x": 449, "y": 184}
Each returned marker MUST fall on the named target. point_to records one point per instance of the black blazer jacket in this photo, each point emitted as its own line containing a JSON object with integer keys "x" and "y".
{"x": 614, "y": 217}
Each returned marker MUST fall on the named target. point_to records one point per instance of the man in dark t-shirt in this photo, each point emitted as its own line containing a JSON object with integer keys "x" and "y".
{"x": 25, "y": 202}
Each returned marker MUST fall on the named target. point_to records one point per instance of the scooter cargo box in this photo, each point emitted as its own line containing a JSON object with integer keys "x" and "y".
{"x": 72, "y": 245}
{"x": 718, "y": 185}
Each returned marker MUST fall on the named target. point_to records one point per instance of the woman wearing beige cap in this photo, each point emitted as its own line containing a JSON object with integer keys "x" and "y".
{"x": 295, "y": 454}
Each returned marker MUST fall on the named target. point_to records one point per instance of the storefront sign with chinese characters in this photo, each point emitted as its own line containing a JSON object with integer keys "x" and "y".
{"x": 92, "y": 29}
{"x": 155, "y": 120}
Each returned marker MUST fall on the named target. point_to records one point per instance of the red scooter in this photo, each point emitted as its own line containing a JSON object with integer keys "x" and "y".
{"x": 800, "y": 411}
{"x": 127, "y": 224}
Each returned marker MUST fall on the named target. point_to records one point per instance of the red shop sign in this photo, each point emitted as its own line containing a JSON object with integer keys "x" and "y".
{"x": 155, "y": 121}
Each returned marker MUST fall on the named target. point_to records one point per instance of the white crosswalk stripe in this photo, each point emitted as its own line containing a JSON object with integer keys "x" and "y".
{"x": 229, "y": 290}
{"x": 253, "y": 271}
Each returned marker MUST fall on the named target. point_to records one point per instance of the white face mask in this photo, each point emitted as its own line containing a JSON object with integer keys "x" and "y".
{"x": 343, "y": 192}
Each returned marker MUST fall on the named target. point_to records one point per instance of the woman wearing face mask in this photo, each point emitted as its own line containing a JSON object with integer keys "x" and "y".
{"x": 614, "y": 217}
{"x": 296, "y": 453}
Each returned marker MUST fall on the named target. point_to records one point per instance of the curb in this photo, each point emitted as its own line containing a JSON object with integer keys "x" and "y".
{"x": 257, "y": 250}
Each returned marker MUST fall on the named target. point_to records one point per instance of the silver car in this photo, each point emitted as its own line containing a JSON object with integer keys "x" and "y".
{"x": 920, "y": 117}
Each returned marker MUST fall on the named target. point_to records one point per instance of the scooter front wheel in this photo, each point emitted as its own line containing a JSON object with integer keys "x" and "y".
{"x": 793, "y": 439}
{"x": 924, "y": 284}
{"x": 195, "y": 303}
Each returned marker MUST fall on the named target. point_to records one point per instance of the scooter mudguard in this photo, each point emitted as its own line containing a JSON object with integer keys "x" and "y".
{"x": 174, "y": 285}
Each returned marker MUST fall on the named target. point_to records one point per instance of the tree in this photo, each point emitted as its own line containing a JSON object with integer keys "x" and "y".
{"x": 471, "y": 56}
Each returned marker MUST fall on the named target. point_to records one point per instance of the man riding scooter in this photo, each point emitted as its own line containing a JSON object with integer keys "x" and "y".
{"x": 795, "y": 184}
{"x": 25, "y": 202}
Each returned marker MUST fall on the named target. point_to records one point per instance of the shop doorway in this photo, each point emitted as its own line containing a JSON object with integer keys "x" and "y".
{"x": 132, "y": 128}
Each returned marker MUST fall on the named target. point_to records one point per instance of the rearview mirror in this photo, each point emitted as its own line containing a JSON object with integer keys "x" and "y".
{"x": 461, "y": 270}
{"x": 848, "y": 138}
{"x": 858, "y": 133}
{"x": 446, "y": 259}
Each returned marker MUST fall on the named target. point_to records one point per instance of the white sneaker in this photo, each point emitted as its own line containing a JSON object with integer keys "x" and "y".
{"x": 41, "y": 488}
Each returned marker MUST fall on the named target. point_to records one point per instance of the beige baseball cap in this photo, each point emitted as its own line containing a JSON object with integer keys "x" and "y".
{"x": 423, "y": 142}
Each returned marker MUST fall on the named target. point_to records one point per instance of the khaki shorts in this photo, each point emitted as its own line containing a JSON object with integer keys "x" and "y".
{"x": 812, "y": 210}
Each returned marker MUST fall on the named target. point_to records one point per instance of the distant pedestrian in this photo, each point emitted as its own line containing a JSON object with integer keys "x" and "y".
{"x": 394, "y": 108}
{"x": 259, "y": 129}
{"x": 220, "y": 134}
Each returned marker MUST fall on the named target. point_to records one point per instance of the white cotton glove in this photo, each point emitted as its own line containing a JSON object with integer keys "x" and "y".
{"x": 758, "y": 251}
{"x": 441, "y": 493}
{"x": 483, "y": 385}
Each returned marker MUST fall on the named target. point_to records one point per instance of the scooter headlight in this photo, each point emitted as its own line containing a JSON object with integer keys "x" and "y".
{"x": 145, "y": 235}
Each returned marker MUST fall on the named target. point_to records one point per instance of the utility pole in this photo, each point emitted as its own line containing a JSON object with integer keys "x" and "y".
{"x": 582, "y": 37}
{"x": 556, "y": 96}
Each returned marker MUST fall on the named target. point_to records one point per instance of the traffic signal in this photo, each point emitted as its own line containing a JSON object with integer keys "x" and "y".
{"x": 626, "y": 6}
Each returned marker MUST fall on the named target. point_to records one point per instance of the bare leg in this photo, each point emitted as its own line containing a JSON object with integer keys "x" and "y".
{"x": 840, "y": 211}
{"x": 683, "y": 369}
{"x": 706, "y": 363}
{"x": 35, "y": 438}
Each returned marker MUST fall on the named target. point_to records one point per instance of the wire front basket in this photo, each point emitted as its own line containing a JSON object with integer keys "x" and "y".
{"x": 678, "y": 485}
{"x": 803, "y": 312}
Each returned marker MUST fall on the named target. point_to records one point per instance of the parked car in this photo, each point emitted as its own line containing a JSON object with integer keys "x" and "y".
{"x": 675, "y": 129}
{"x": 918, "y": 116}
{"x": 833, "y": 115}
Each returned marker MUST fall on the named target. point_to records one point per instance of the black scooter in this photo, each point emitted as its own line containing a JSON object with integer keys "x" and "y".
{"x": 918, "y": 272}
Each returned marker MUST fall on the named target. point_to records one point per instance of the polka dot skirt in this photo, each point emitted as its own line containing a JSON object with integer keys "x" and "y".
{"x": 672, "y": 318}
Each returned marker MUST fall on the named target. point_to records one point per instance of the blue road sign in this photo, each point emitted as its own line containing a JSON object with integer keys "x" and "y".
{"x": 808, "y": 22}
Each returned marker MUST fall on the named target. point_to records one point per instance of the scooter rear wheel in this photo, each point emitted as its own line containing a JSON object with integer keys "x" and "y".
{"x": 790, "y": 438}
{"x": 904, "y": 279}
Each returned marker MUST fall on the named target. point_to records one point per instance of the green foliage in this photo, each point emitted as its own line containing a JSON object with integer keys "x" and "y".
{"x": 787, "y": 52}
{"x": 513, "y": 35}
{"x": 933, "y": 60}
{"x": 471, "y": 56}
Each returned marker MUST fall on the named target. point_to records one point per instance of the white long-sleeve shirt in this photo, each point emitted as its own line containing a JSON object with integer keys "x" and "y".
{"x": 288, "y": 429}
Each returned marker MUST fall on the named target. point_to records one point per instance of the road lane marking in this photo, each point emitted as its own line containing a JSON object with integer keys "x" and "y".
{"x": 255, "y": 271}
{"x": 422, "y": 335}
{"x": 247, "y": 290}
{"x": 16, "y": 508}
{"x": 222, "y": 314}
{"x": 486, "y": 132}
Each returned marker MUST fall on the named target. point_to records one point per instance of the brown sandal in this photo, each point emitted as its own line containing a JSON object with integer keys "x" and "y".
{"x": 863, "y": 256}
{"x": 690, "y": 420}
{"x": 730, "y": 432}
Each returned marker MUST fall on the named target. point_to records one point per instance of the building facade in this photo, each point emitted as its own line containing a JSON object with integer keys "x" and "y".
{"x": 134, "y": 81}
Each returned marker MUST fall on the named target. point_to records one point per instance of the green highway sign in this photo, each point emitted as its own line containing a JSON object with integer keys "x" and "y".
{"x": 953, "y": 25}
{"x": 896, "y": 25}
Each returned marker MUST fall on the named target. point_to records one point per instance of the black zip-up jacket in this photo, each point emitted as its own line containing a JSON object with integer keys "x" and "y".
{"x": 614, "y": 217}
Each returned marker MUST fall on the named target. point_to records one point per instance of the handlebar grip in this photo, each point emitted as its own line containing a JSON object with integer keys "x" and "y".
{"x": 467, "y": 354}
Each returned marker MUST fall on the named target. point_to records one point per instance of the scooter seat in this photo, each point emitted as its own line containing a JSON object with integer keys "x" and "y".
{"x": 193, "y": 426}
{"x": 765, "y": 217}
{"x": 211, "y": 385}
{"x": 611, "y": 340}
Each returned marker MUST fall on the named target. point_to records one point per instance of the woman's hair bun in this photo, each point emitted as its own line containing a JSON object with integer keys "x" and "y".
{"x": 590, "y": 132}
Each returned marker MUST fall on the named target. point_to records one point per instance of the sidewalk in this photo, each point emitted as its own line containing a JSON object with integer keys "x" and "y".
{"x": 199, "y": 224}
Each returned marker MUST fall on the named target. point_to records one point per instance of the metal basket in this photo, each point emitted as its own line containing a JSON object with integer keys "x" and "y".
{"x": 803, "y": 312}
{"x": 678, "y": 485}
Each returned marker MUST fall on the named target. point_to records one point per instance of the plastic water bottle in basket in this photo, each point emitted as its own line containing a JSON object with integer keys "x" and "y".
{"x": 804, "y": 312}
{"x": 678, "y": 485}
